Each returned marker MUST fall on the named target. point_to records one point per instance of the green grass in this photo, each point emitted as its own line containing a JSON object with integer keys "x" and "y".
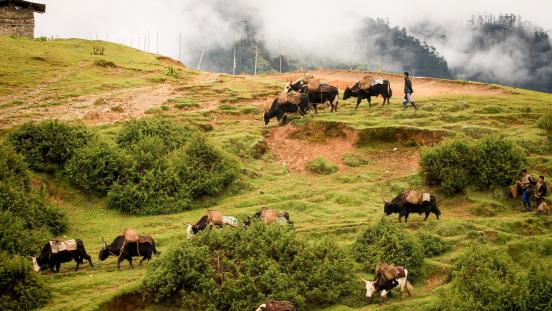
{"x": 338, "y": 206}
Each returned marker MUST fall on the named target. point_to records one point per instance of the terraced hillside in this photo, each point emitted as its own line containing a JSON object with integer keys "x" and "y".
{"x": 376, "y": 150}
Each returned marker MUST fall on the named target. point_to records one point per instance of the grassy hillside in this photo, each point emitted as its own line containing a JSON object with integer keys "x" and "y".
{"x": 229, "y": 111}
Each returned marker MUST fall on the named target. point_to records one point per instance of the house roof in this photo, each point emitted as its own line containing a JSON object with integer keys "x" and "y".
{"x": 37, "y": 7}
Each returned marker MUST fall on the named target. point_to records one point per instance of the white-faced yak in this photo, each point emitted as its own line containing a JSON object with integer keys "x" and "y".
{"x": 383, "y": 285}
{"x": 212, "y": 218}
{"x": 56, "y": 252}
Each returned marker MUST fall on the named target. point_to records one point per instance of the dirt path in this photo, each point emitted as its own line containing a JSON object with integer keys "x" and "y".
{"x": 423, "y": 87}
{"x": 93, "y": 109}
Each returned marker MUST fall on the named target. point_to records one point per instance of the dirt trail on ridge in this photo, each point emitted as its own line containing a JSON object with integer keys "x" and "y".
{"x": 423, "y": 87}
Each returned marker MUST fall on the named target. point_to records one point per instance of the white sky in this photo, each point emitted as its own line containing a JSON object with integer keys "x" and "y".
{"x": 207, "y": 23}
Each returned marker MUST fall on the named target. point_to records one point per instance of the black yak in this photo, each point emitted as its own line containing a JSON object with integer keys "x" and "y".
{"x": 404, "y": 208}
{"x": 145, "y": 248}
{"x": 383, "y": 89}
{"x": 54, "y": 258}
{"x": 279, "y": 109}
{"x": 326, "y": 94}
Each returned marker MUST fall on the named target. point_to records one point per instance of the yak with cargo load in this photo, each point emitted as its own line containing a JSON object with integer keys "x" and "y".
{"x": 56, "y": 252}
{"x": 318, "y": 93}
{"x": 127, "y": 245}
{"x": 286, "y": 103}
{"x": 366, "y": 89}
{"x": 412, "y": 202}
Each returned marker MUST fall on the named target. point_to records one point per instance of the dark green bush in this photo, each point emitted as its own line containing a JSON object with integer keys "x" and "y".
{"x": 448, "y": 166}
{"x": 49, "y": 144}
{"x": 157, "y": 191}
{"x": 538, "y": 285}
{"x": 455, "y": 165}
{"x": 148, "y": 152}
{"x": 388, "y": 242}
{"x": 96, "y": 167}
{"x": 20, "y": 288}
{"x": 204, "y": 169}
{"x": 237, "y": 269}
{"x": 498, "y": 162}
{"x": 171, "y": 134}
{"x": 486, "y": 280}
{"x": 26, "y": 218}
{"x": 433, "y": 245}
{"x": 13, "y": 168}
{"x": 321, "y": 166}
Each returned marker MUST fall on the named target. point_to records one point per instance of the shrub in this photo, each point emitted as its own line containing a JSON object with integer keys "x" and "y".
{"x": 13, "y": 168}
{"x": 171, "y": 134}
{"x": 321, "y": 166}
{"x": 204, "y": 169}
{"x": 448, "y": 166}
{"x": 545, "y": 122}
{"x": 96, "y": 167}
{"x": 237, "y": 269}
{"x": 486, "y": 281}
{"x": 389, "y": 243}
{"x": 354, "y": 159}
{"x": 26, "y": 219}
{"x": 453, "y": 166}
{"x": 498, "y": 162}
{"x": 148, "y": 152}
{"x": 157, "y": 191}
{"x": 433, "y": 245}
{"x": 49, "y": 144}
{"x": 20, "y": 288}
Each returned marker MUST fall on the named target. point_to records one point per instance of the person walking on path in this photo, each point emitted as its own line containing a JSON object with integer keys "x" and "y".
{"x": 408, "y": 90}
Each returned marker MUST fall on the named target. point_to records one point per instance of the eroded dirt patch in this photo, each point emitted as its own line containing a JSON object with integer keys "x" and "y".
{"x": 295, "y": 153}
{"x": 295, "y": 146}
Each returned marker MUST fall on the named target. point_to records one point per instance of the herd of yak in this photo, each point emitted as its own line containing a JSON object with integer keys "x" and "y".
{"x": 300, "y": 96}
{"x": 143, "y": 246}
{"x": 131, "y": 244}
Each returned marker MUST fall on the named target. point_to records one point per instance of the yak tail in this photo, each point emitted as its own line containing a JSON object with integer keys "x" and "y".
{"x": 389, "y": 90}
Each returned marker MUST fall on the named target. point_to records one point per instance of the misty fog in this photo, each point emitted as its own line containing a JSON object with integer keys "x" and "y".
{"x": 329, "y": 32}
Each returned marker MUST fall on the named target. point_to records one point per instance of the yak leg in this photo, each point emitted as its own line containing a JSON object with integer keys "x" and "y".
{"x": 383, "y": 296}
{"x": 427, "y": 215}
{"x": 358, "y": 102}
{"x": 400, "y": 215}
{"x": 130, "y": 262}
{"x": 369, "y": 102}
{"x": 57, "y": 267}
{"x": 78, "y": 260}
{"x": 119, "y": 260}
{"x": 87, "y": 257}
{"x": 315, "y": 109}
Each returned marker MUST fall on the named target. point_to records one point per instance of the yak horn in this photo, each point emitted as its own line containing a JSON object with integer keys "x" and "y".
{"x": 364, "y": 279}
